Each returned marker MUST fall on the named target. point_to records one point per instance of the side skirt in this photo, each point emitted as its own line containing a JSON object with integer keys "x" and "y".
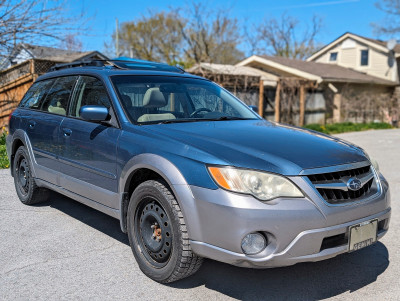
{"x": 88, "y": 202}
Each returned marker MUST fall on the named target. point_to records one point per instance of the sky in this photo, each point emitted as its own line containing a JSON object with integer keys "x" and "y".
{"x": 339, "y": 16}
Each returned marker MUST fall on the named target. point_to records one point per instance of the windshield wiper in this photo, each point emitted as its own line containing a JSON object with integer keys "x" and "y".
{"x": 202, "y": 119}
{"x": 179, "y": 120}
{"x": 226, "y": 118}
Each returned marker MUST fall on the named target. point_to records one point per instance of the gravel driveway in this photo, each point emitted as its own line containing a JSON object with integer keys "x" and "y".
{"x": 64, "y": 250}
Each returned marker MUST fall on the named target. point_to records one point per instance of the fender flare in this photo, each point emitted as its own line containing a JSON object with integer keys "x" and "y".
{"x": 169, "y": 172}
{"x": 21, "y": 135}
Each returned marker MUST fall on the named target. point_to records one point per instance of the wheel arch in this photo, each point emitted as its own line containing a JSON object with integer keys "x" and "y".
{"x": 156, "y": 167}
{"x": 20, "y": 138}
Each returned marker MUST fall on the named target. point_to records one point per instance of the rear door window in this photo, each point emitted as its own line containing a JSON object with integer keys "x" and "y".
{"x": 56, "y": 100}
{"x": 33, "y": 99}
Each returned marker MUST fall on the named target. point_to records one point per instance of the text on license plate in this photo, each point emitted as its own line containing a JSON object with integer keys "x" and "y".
{"x": 363, "y": 235}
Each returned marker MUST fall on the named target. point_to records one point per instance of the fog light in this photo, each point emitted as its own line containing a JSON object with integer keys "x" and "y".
{"x": 253, "y": 243}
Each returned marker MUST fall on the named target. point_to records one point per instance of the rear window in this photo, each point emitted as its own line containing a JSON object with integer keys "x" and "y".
{"x": 56, "y": 100}
{"x": 50, "y": 95}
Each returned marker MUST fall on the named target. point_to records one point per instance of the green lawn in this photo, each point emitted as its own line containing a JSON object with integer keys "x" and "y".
{"x": 344, "y": 127}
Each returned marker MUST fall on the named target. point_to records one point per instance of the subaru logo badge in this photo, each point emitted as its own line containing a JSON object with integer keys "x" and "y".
{"x": 353, "y": 184}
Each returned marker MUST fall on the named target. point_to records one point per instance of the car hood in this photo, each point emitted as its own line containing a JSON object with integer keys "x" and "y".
{"x": 258, "y": 144}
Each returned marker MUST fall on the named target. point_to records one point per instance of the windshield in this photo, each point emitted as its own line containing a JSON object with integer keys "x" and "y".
{"x": 157, "y": 99}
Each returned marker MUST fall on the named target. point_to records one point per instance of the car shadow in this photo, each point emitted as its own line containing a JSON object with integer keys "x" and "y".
{"x": 305, "y": 281}
{"x": 87, "y": 215}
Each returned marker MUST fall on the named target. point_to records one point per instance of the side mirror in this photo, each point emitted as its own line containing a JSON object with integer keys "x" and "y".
{"x": 254, "y": 108}
{"x": 94, "y": 113}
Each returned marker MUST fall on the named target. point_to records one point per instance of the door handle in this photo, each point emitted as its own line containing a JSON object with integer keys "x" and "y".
{"x": 31, "y": 124}
{"x": 67, "y": 132}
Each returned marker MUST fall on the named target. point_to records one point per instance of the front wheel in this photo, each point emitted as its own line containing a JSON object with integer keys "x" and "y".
{"x": 158, "y": 236}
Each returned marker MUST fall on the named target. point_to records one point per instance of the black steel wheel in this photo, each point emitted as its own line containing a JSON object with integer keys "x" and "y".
{"x": 153, "y": 231}
{"x": 23, "y": 175}
{"x": 158, "y": 235}
{"x": 25, "y": 185}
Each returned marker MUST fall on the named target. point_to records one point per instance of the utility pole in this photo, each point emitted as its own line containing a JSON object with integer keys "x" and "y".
{"x": 116, "y": 37}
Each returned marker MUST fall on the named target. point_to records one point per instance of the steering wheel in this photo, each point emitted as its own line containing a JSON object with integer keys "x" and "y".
{"x": 200, "y": 110}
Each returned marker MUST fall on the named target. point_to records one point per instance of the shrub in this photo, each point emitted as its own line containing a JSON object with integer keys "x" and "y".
{"x": 4, "y": 163}
{"x": 344, "y": 127}
{"x": 3, "y": 135}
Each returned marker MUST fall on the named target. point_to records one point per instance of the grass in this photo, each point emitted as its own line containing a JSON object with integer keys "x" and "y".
{"x": 344, "y": 127}
{"x": 4, "y": 163}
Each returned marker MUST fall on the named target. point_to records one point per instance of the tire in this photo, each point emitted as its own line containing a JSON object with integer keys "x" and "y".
{"x": 27, "y": 190}
{"x": 158, "y": 236}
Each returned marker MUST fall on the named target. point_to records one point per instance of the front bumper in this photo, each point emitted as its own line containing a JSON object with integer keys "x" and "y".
{"x": 297, "y": 229}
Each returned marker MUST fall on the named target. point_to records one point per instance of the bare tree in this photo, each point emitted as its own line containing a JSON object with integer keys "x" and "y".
{"x": 30, "y": 20}
{"x": 186, "y": 36}
{"x": 282, "y": 37}
{"x": 210, "y": 35}
{"x": 71, "y": 42}
{"x": 391, "y": 25}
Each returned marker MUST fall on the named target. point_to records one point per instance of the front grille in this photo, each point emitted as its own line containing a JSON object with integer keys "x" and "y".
{"x": 332, "y": 186}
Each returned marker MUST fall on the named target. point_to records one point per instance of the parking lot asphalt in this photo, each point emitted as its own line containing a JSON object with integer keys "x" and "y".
{"x": 63, "y": 250}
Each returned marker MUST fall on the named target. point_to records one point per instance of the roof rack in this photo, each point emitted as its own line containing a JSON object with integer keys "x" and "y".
{"x": 83, "y": 63}
{"x": 132, "y": 64}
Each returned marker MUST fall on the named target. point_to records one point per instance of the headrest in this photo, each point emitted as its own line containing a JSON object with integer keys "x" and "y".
{"x": 153, "y": 98}
{"x": 156, "y": 117}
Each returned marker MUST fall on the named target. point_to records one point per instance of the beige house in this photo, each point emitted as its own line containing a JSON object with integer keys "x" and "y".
{"x": 353, "y": 79}
{"x": 373, "y": 57}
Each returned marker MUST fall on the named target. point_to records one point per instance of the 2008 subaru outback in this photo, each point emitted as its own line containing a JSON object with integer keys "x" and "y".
{"x": 190, "y": 171}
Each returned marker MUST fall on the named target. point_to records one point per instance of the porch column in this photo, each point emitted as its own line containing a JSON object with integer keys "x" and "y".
{"x": 261, "y": 99}
{"x": 337, "y": 104}
{"x": 277, "y": 102}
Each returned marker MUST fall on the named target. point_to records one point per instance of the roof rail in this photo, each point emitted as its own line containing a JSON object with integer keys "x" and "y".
{"x": 94, "y": 63}
{"x": 121, "y": 64}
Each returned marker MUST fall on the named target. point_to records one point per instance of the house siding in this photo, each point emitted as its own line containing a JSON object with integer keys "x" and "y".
{"x": 349, "y": 56}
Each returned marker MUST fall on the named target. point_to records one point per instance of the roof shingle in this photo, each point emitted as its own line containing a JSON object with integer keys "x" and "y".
{"x": 329, "y": 72}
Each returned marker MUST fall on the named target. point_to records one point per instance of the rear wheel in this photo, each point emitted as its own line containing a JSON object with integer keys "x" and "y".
{"x": 157, "y": 234}
{"x": 27, "y": 190}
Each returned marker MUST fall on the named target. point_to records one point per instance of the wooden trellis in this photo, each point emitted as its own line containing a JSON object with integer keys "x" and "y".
{"x": 288, "y": 88}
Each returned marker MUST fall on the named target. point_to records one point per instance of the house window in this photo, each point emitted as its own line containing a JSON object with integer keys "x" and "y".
{"x": 364, "y": 57}
{"x": 333, "y": 57}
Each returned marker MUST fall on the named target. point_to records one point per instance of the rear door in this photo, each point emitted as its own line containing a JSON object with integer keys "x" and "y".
{"x": 89, "y": 150}
{"x": 48, "y": 101}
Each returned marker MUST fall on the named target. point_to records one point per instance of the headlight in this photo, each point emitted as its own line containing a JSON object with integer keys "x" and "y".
{"x": 372, "y": 160}
{"x": 375, "y": 164}
{"x": 263, "y": 186}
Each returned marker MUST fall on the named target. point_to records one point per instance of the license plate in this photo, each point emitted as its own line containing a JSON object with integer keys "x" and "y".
{"x": 363, "y": 235}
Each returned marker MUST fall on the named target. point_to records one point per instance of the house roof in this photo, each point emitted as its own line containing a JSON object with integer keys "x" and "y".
{"x": 315, "y": 71}
{"x": 55, "y": 54}
{"x": 232, "y": 70}
{"x": 375, "y": 43}
{"x": 24, "y": 51}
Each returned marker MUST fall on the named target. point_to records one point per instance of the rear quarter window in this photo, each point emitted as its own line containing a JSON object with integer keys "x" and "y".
{"x": 33, "y": 99}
